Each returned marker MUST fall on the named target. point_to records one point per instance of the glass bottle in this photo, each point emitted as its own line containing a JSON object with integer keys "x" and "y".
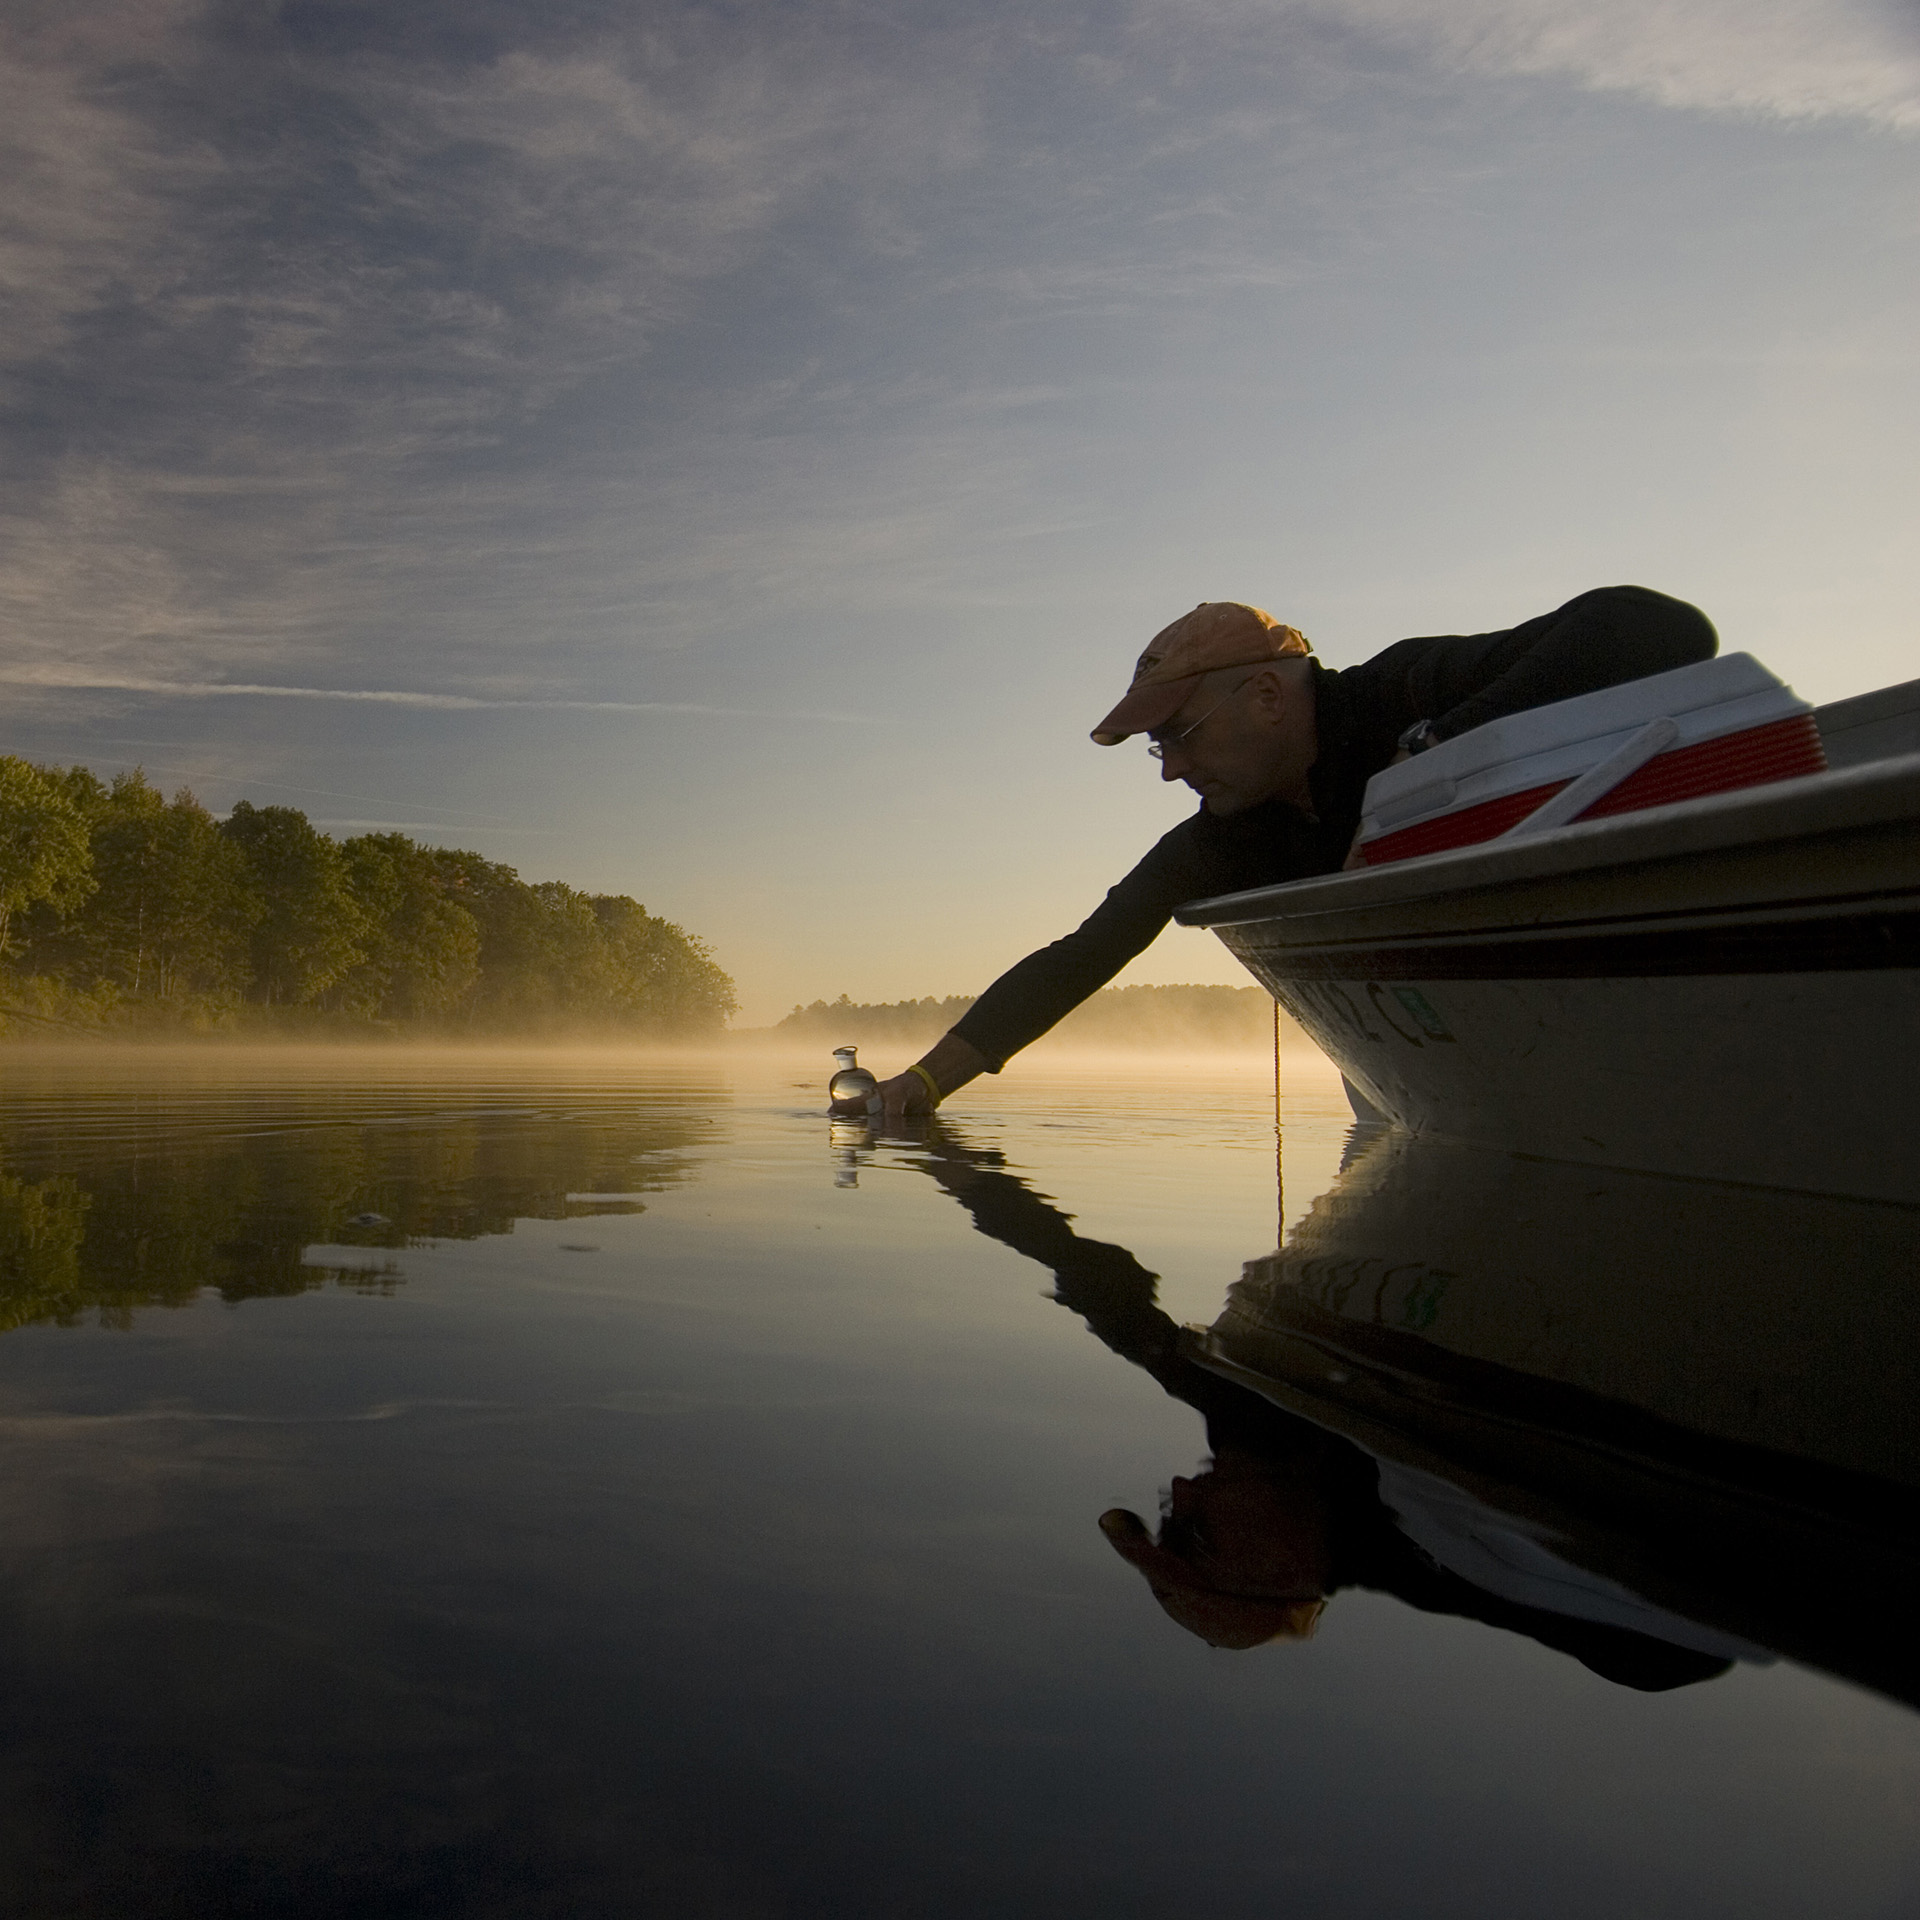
{"x": 852, "y": 1089}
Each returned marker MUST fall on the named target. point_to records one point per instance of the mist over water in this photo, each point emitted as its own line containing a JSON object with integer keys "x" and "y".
{"x": 582, "y": 1482}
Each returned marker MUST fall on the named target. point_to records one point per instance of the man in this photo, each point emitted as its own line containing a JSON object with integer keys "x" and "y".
{"x": 1280, "y": 750}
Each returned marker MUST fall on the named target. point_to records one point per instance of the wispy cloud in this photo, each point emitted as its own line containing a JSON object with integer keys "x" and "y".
{"x": 1784, "y": 59}
{"x": 326, "y": 345}
{"x": 93, "y": 183}
{"x": 302, "y": 317}
{"x": 71, "y": 679}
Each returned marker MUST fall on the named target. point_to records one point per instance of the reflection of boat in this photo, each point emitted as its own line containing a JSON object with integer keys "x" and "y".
{"x": 1287, "y": 1513}
{"x": 1727, "y": 987}
{"x": 1695, "y": 1396}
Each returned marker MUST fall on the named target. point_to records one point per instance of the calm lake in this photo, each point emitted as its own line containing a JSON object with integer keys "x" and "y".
{"x": 585, "y": 1484}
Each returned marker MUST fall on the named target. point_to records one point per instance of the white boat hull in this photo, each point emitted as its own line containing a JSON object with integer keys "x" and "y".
{"x": 1728, "y": 988}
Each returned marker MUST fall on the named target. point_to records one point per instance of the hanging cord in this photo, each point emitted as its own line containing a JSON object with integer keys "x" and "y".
{"x": 1279, "y": 1171}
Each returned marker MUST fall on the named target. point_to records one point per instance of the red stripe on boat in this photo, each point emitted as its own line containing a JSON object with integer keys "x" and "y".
{"x": 1781, "y": 750}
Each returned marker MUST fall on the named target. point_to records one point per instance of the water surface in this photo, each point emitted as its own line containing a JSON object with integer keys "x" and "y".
{"x": 584, "y": 1486}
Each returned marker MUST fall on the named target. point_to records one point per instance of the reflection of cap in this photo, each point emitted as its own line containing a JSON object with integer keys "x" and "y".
{"x": 1217, "y": 633}
{"x": 1234, "y": 1620}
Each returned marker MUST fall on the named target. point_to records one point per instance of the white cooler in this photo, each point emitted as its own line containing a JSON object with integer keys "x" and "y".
{"x": 1708, "y": 728}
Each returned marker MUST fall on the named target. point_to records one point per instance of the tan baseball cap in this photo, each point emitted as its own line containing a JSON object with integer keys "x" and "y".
{"x": 1217, "y": 633}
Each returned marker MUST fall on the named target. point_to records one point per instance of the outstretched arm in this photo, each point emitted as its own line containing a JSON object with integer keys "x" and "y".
{"x": 1043, "y": 988}
{"x": 949, "y": 1063}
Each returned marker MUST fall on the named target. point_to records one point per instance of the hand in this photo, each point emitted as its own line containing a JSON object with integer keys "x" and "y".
{"x": 950, "y": 1060}
{"x": 905, "y": 1094}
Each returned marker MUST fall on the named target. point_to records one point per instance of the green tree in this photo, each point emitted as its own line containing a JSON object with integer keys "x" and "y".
{"x": 667, "y": 979}
{"x": 542, "y": 960}
{"x": 552, "y": 956}
{"x": 45, "y": 853}
{"x": 421, "y": 945}
{"x": 309, "y": 927}
{"x": 169, "y": 915}
{"x": 116, "y": 899}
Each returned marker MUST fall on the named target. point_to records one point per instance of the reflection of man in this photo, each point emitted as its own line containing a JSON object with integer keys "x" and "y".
{"x": 1280, "y": 750}
{"x": 1285, "y": 1514}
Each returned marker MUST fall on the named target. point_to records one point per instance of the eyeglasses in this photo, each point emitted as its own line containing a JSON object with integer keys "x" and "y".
{"x": 1160, "y": 748}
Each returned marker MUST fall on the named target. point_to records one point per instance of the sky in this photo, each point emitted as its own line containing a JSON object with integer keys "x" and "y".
{"x": 730, "y": 454}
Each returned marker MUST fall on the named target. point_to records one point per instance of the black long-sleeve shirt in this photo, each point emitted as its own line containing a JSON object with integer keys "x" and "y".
{"x": 1456, "y": 681}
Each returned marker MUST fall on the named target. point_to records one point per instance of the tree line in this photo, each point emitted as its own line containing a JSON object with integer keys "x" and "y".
{"x": 122, "y": 908}
{"x": 1226, "y": 1018}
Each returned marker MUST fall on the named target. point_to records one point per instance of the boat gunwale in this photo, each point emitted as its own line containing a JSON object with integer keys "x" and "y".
{"x": 1550, "y": 878}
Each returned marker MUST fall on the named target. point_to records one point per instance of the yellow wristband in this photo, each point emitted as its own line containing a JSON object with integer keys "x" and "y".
{"x": 928, "y": 1081}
